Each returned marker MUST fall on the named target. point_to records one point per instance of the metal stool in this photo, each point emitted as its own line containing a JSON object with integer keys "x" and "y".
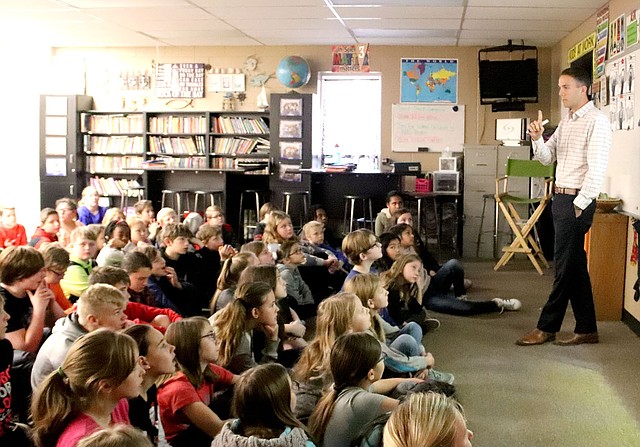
{"x": 486, "y": 197}
{"x": 126, "y": 193}
{"x": 286, "y": 201}
{"x": 176, "y": 197}
{"x": 246, "y": 219}
{"x": 211, "y": 195}
{"x": 366, "y": 221}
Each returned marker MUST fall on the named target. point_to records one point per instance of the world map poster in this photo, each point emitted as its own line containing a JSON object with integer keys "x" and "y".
{"x": 429, "y": 81}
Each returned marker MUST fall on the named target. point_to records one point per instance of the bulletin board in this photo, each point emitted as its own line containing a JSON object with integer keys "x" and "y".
{"x": 623, "y": 110}
{"x": 416, "y": 127}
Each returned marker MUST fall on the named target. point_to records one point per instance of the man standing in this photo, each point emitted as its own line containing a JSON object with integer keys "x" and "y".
{"x": 580, "y": 146}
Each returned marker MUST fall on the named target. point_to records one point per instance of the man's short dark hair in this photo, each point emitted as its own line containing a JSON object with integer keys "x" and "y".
{"x": 579, "y": 74}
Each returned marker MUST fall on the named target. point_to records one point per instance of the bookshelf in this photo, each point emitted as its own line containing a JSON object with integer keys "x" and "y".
{"x": 121, "y": 151}
{"x": 239, "y": 141}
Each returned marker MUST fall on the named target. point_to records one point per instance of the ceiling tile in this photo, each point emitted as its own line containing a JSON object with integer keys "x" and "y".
{"x": 409, "y": 24}
{"x": 507, "y": 13}
{"x": 432, "y": 3}
{"x": 306, "y": 12}
{"x": 528, "y": 25}
{"x": 540, "y": 4}
{"x": 395, "y": 12}
{"x": 400, "y": 33}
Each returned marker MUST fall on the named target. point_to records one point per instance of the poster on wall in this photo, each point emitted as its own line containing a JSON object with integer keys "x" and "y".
{"x": 180, "y": 81}
{"x": 632, "y": 28}
{"x": 350, "y": 58}
{"x": 602, "y": 34}
{"x": 617, "y": 36}
{"x": 429, "y": 81}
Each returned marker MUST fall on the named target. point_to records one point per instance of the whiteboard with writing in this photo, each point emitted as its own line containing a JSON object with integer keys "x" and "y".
{"x": 426, "y": 126}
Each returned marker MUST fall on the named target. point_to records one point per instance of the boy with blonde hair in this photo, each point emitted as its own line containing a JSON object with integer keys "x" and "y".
{"x": 362, "y": 249}
{"x": 11, "y": 232}
{"x": 83, "y": 249}
{"x": 100, "y": 306}
{"x": 90, "y": 212}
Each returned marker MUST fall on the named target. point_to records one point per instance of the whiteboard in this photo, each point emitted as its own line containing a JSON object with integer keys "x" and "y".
{"x": 621, "y": 179}
{"x": 435, "y": 127}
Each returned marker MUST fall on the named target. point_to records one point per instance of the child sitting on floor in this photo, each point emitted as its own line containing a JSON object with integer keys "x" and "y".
{"x": 185, "y": 399}
{"x": 11, "y": 232}
{"x": 89, "y": 391}
{"x": 290, "y": 256}
{"x": 263, "y": 387}
{"x": 48, "y": 229}
{"x": 82, "y": 248}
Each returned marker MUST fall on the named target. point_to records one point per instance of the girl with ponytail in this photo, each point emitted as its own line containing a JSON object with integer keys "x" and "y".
{"x": 254, "y": 307}
{"x": 356, "y": 397}
{"x": 89, "y": 391}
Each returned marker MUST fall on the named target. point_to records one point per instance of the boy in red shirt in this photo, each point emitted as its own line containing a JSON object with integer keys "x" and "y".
{"x": 48, "y": 229}
{"x": 11, "y": 232}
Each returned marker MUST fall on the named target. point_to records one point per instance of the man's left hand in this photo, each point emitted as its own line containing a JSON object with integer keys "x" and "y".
{"x": 578, "y": 211}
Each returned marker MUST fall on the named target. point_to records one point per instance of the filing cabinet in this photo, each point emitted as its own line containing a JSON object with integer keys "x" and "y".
{"x": 482, "y": 165}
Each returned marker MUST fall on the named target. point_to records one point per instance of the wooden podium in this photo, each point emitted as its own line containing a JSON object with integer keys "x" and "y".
{"x": 606, "y": 245}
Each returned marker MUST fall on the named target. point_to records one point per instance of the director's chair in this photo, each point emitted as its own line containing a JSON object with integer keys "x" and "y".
{"x": 523, "y": 241}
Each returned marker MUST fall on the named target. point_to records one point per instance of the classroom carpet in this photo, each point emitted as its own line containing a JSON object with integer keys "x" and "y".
{"x": 537, "y": 396}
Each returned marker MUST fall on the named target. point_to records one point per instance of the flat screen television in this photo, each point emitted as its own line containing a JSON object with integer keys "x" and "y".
{"x": 508, "y": 81}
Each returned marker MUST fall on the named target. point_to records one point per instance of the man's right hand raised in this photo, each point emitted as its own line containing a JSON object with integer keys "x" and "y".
{"x": 536, "y": 127}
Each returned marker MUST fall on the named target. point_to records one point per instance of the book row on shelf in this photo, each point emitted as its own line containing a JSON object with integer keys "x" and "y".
{"x": 119, "y": 123}
{"x": 115, "y": 187}
{"x": 98, "y": 163}
{"x": 178, "y": 145}
{"x": 246, "y": 164}
{"x": 118, "y": 144}
{"x": 170, "y": 124}
{"x": 237, "y": 124}
{"x": 239, "y": 145}
{"x": 182, "y": 163}
{"x": 178, "y": 124}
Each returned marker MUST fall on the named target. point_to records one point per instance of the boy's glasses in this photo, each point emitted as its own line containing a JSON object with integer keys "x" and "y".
{"x": 383, "y": 357}
{"x": 375, "y": 244}
{"x": 61, "y": 274}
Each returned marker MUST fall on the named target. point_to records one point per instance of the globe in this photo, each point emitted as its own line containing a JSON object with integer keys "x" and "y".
{"x": 293, "y": 71}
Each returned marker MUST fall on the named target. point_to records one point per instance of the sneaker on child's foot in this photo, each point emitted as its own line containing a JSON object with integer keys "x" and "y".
{"x": 510, "y": 304}
{"x": 441, "y": 376}
{"x": 429, "y": 324}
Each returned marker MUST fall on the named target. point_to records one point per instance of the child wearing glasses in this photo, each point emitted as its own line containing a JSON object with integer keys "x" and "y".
{"x": 185, "y": 400}
{"x": 362, "y": 249}
{"x": 358, "y": 395}
{"x": 290, "y": 257}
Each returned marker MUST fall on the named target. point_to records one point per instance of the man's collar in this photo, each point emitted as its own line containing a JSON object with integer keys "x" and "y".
{"x": 582, "y": 111}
